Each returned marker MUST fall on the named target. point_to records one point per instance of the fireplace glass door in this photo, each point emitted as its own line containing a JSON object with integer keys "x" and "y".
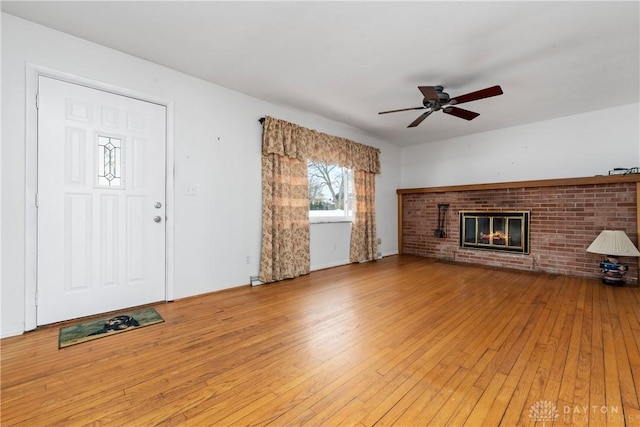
{"x": 506, "y": 231}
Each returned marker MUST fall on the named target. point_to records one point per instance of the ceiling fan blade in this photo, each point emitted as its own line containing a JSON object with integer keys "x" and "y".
{"x": 429, "y": 92}
{"x": 419, "y": 120}
{"x": 479, "y": 94}
{"x": 460, "y": 112}
{"x": 402, "y": 109}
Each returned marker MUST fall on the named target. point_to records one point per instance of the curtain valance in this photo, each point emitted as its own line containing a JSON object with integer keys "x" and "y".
{"x": 291, "y": 140}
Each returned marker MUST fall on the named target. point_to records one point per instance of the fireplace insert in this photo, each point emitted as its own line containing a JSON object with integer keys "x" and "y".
{"x": 506, "y": 231}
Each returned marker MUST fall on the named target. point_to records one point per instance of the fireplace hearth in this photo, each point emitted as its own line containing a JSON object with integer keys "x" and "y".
{"x": 506, "y": 231}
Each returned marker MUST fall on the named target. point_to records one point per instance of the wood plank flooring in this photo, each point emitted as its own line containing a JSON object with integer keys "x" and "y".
{"x": 401, "y": 341}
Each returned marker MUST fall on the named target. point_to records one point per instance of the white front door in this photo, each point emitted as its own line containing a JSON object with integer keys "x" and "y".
{"x": 101, "y": 201}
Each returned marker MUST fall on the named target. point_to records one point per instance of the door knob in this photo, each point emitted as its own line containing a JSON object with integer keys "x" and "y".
{"x": 157, "y": 218}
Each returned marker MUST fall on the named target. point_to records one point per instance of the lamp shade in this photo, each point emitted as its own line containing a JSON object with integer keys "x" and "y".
{"x": 613, "y": 242}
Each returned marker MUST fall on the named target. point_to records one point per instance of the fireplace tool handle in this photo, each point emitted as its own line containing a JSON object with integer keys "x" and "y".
{"x": 442, "y": 211}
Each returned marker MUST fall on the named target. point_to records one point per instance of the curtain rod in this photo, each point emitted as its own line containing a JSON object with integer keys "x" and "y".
{"x": 261, "y": 120}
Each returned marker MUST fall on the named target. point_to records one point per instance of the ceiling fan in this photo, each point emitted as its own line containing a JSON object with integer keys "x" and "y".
{"x": 435, "y": 99}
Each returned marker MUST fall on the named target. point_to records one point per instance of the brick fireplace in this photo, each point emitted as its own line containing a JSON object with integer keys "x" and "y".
{"x": 566, "y": 215}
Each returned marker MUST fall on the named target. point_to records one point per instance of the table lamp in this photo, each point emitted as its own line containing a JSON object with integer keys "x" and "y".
{"x": 613, "y": 244}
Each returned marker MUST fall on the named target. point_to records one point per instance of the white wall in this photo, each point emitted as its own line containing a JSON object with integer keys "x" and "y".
{"x": 217, "y": 140}
{"x": 576, "y": 146}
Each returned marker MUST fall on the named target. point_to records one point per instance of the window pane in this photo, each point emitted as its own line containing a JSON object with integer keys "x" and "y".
{"x": 515, "y": 232}
{"x": 109, "y": 162}
{"x": 470, "y": 230}
{"x": 330, "y": 191}
{"x": 499, "y": 235}
{"x": 350, "y": 192}
{"x": 484, "y": 230}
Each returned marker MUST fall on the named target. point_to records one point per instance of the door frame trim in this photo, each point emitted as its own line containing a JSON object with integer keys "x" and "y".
{"x": 33, "y": 73}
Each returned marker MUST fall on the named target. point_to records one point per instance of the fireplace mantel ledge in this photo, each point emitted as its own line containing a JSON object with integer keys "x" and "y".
{"x": 561, "y": 182}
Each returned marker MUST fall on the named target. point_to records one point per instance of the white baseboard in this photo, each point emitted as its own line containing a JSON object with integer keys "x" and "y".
{"x": 12, "y": 330}
{"x": 254, "y": 282}
{"x": 329, "y": 265}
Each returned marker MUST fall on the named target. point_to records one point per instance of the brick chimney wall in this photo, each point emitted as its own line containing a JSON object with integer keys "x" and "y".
{"x": 564, "y": 222}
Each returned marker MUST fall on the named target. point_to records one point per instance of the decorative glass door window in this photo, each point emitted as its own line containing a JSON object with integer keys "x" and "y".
{"x": 109, "y": 162}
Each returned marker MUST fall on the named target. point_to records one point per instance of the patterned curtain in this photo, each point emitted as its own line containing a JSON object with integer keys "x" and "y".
{"x": 286, "y": 147}
{"x": 285, "y": 203}
{"x": 364, "y": 241}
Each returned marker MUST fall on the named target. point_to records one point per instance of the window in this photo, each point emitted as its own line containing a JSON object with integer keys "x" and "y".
{"x": 109, "y": 162}
{"x": 330, "y": 192}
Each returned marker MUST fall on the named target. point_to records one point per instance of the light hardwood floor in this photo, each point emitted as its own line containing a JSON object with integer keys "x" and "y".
{"x": 401, "y": 341}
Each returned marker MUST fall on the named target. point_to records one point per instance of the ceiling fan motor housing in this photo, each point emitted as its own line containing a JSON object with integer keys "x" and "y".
{"x": 437, "y": 104}
{"x": 430, "y": 103}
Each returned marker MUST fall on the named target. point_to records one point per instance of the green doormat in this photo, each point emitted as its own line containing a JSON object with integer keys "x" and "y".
{"x": 83, "y": 332}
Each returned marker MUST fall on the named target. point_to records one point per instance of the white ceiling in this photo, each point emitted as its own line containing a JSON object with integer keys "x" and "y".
{"x": 348, "y": 60}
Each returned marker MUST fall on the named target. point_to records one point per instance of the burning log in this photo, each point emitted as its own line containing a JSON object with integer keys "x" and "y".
{"x": 496, "y": 235}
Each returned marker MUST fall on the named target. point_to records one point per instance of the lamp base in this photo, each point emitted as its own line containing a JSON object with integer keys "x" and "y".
{"x": 613, "y": 282}
{"x": 613, "y": 271}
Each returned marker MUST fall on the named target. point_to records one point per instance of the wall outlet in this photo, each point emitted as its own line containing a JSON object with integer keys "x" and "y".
{"x": 248, "y": 260}
{"x": 379, "y": 240}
